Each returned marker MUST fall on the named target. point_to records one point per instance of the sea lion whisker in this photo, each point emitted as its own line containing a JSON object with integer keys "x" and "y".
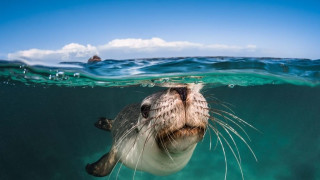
{"x": 224, "y": 124}
{"x": 150, "y": 127}
{"x": 226, "y": 114}
{"x": 135, "y": 169}
{"x": 235, "y": 156}
{"x": 204, "y": 134}
{"x": 237, "y": 134}
{"x": 118, "y": 171}
{"x": 166, "y": 150}
{"x": 141, "y": 153}
{"x": 169, "y": 137}
{"x": 127, "y": 132}
{"x": 153, "y": 126}
{"x": 212, "y": 126}
{"x": 172, "y": 138}
{"x": 128, "y": 151}
{"x": 204, "y": 91}
{"x": 131, "y": 129}
{"x": 125, "y": 135}
{"x": 117, "y": 146}
{"x": 238, "y": 159}
{"x": 133, "y": 144}
{"x": 114, "y": 166}
{"x": 238, "y": 125}
{"x": 229, "y": 119}
{"x": 112, "y": 170}
{"x": 227, "y": 107}
{"x": 223, "y": 105}
{"x": 210, "y": 138}
{"x": 222, "y": 147}
{"x": 235, "y": 144}
{"x": 233, "y": 129}
{"x": 237, "y": 118}
{"x": 146, "y": 129}
{"x": 219, "y": 101}
{"x": 147, "y": 139}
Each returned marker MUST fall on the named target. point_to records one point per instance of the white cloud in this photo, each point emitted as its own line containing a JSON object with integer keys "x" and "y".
{"x": 72, "y": 51}
{"x": 131, "y": 48}
{"x": 148, "y": 44}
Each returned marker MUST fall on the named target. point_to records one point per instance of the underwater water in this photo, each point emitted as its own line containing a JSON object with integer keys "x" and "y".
{"x": 47, "y": 115}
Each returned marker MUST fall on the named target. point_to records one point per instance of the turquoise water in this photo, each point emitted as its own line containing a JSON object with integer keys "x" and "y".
{"x": 48, "y": 112}
{"x": 215, "y": 71}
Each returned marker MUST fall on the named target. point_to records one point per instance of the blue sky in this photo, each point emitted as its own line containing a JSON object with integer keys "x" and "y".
{"x": 76, "y": 29}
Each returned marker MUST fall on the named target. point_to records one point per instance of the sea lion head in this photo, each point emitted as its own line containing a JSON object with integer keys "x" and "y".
{"x": 178, "y": 117}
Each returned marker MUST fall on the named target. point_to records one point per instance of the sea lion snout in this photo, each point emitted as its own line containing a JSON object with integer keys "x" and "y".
{"x": 180, "y": 118}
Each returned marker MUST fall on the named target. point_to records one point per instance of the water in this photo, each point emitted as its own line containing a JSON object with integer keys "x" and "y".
{"x": 47, "y": 115}
{"x": 216, "y": 71}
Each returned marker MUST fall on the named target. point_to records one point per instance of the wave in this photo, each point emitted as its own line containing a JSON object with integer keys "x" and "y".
{"x": 216, "y": 71}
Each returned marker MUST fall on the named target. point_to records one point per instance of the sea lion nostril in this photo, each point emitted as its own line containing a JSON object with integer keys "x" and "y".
{"x": 182, "y": 92}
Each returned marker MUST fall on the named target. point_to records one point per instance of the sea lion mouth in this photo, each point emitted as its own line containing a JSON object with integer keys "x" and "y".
{"x": 185, "y": 135}
{"x": 186, "y": 131}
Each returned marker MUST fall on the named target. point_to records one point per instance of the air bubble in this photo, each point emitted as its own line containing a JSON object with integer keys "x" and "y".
{"x": 231, "y": 85}
{"x": 60, "y": 73}
{"x": 76, "y": 75}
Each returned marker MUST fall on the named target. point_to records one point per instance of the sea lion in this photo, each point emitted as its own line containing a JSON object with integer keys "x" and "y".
{"x": 158, "y": 135}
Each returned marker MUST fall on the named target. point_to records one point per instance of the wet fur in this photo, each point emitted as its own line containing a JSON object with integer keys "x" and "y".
{"x": 141, "y": 143}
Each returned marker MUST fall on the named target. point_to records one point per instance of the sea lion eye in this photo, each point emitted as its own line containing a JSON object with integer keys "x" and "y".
{"x": 145, "y": 109}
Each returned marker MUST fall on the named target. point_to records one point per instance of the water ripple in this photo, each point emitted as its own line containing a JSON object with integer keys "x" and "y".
{"x": 242, "y": 71}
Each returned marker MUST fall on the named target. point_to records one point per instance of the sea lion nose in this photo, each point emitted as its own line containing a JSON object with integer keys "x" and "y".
{"x": 182, "y": 92}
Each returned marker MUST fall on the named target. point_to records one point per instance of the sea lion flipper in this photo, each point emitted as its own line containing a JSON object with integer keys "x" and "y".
{"x": 104, "y": 165}
{"x": 104, "y": 124}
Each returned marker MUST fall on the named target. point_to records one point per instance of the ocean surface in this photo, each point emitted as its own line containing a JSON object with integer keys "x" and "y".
{"x": 48, "y": 113}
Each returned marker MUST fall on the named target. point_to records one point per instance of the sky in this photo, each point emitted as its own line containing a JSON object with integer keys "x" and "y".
{"x": 74, "y": 30}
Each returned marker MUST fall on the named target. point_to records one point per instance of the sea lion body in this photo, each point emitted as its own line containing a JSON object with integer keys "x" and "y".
{"x": 157, "y": 135}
